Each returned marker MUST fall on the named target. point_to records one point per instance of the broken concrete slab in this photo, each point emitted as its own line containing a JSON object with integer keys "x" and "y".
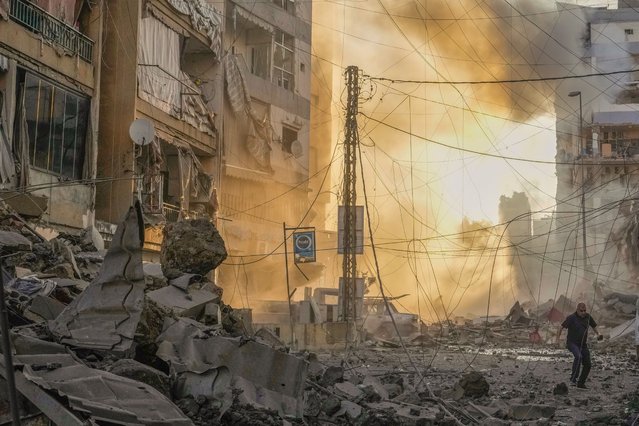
{"x": 189, "y": 346}
{"x": 12, "y": 241}
{"x": 45, "y": 307}
{"x": 349, "y": 409}
{"x": 348, "y": 391}
{"x": 215, "y": 383}
{"x": 104, "y": 396}
{"x": 623, "y": 329}
{"x": 189, "y": 303}
{"x": 46, "y": 403}
{"x": 185, "y": 280}
{"x": 134, "y": 370}
{"x": 106, "y": 314}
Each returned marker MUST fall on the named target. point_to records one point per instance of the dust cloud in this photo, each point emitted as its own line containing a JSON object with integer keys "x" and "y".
{"x": 464, "y": 112}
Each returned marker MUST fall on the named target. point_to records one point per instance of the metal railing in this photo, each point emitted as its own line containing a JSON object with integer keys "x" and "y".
{"x": 172, "y": 213}
{"x": 52, "y": 29}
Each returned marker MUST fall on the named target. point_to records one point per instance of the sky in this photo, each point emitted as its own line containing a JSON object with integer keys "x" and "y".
{"x": 442, "y": 140}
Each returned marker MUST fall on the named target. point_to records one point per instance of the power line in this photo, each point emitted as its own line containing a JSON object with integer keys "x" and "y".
{"x": 519, "y": 80}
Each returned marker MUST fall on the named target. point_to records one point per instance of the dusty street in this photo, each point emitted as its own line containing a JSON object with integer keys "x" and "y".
{"x": 525, "y": 384}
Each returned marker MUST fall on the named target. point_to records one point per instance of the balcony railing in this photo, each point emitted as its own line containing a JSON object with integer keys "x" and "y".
{"x": 172, "y": 213}
{"x": 52, "y": 29}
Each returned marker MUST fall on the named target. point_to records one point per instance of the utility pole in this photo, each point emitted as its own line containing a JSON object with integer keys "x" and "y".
{"x": 349, "y": 261}
{"x": 583, "y": 180}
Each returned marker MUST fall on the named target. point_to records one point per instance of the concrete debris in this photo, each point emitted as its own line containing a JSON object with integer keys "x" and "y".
{"x": 11, "y": 242}
{"x": 106, "y": 314}
{"x": 134, "y": 370}
{"x": 106, "y": 397}
{"x": 186, "y": 303}
{"x": 154, "y": 343}
{"x": 189, "y": 346}
{"x": 191, "y": 246}
{"x": 530, "y": 411}
{"x": 473, "y": 384}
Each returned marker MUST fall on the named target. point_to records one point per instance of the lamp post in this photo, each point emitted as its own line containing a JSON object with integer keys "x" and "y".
{"x": 583, "y": 181}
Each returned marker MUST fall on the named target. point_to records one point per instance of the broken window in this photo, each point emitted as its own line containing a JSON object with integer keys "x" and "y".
{"x": 56, "y": 121}
{"x": 287, "y": 5}
{"x": 259, "y": 42}
{"x": 289, "y": 136}
{"x": 283, "y": 60}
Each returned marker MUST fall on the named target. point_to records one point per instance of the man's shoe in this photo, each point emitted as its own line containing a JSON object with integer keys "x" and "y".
{"x": 581, "y": 386}
{"x": 573, "y": 382}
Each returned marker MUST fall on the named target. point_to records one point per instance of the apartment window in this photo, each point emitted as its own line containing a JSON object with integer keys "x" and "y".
{"x": 287, "y": 5}
{"x": 288, "y": 137}
{"x": 56, "y": 121}
{"x": 259, "y": 60}
{"x": 283, "y": 60}
{"x": 629, "y": 31}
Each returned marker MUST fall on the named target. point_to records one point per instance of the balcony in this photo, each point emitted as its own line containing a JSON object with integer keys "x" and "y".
{"x": 172, "y": 213}
{"x": 51, "y": 29}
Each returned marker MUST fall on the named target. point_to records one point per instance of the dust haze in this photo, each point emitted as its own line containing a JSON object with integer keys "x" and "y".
{"x": 424, "y": 140}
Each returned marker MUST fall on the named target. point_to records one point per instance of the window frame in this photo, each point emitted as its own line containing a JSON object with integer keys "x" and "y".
{"x": 280, "y": 39}
{"x": 49, "y": 136}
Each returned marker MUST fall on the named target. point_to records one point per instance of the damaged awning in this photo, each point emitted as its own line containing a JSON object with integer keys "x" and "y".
{"x": 204, "y": 18}
{"x": 252, "y": 18}
{"x": 260, "y": 133}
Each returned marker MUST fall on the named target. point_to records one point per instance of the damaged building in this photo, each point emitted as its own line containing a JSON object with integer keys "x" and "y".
{"x": 265, "y": 166}
{"x": 598, "y": 152}
{"x": 161, "y": 84}
{"x": 49, "y": 97}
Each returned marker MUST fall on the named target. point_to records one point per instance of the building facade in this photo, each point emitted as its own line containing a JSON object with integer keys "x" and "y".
{"x": 160, "y": 111}
{"x": 598, "y": 150}
{"x": 49, "y": 104}
{"x": 266, "y": 139}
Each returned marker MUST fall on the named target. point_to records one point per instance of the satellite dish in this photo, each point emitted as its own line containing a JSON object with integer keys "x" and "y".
{"x": 142, "y": 131}
{"x": 296, "y": 149}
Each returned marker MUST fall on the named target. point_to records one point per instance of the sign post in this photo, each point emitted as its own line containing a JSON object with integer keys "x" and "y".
{"x": 304, "y": 252}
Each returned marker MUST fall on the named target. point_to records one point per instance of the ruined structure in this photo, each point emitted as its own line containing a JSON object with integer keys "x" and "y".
{"x": 161, "y": 68}
{"x": 49, "y": 94}
{"x": 266, "y": 133}
{"x": 598, "y": 157}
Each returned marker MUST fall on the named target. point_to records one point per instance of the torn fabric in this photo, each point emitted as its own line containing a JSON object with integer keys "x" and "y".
{"x": 159, "y": 69}
{"x": 259, "y": 137}
{"x": 236, "y": 86}
{"x": 204, "y": 18}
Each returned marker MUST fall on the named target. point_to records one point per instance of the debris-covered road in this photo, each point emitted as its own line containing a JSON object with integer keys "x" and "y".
{"x": 104, "y": 338}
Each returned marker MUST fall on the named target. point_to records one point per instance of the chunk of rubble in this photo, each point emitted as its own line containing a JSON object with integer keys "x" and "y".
{"x": 186, "y": 303}
{"x": 191, "y": 347}
{"x": 473, "y": 384}
{"x": 12, "y": 242}
{"x": 530, "y": 411}
{"x": 191, "y": 246}
{"x": 104, "y": 396}
{"x": 106, "y": 314}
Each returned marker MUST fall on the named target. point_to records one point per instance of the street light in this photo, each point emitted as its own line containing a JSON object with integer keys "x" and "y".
{"x": 583, "y": 181}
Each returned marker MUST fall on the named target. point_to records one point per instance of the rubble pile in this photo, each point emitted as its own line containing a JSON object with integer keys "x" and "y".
{"x": 104, "y": 338}
{"x": 118, "y": 351}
